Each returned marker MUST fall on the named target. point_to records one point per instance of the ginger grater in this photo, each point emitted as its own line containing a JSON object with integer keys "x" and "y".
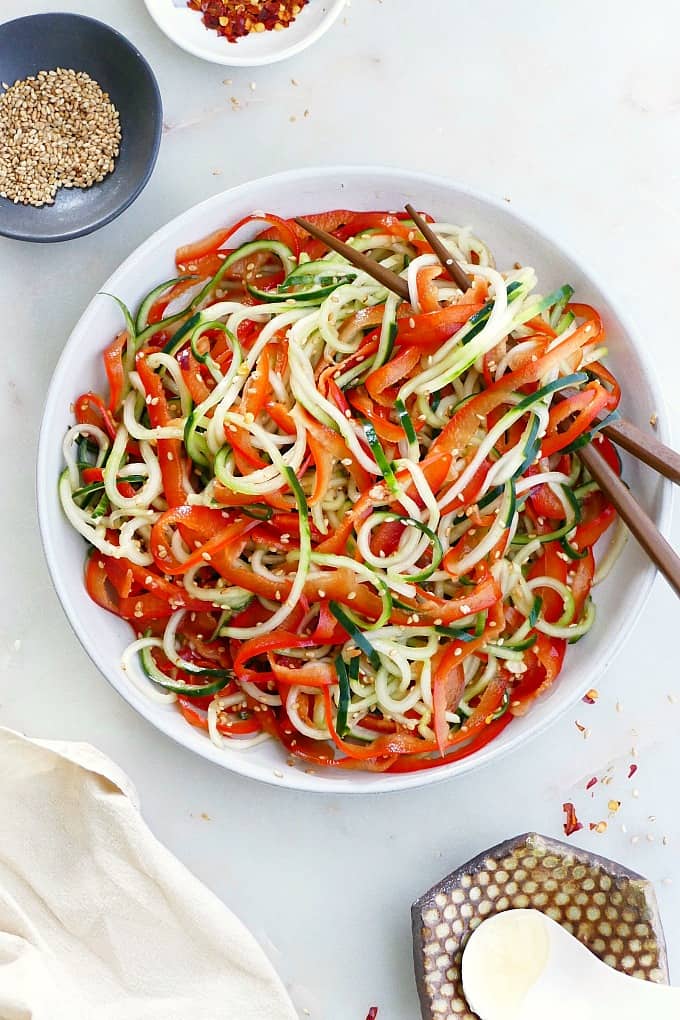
{"x": 609, "y": 909}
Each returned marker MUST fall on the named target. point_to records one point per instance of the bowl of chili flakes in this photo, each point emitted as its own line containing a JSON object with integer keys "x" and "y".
{"x": 248, "y": 33}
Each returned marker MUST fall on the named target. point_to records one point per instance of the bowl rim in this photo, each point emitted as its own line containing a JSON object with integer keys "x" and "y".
{"x": 333, "y": 12}
{"x": 295, "y": 779}
{"x": 156, "y": 112}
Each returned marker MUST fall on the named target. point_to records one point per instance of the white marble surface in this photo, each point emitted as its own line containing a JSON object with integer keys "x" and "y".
{"x": 571, "y": 110}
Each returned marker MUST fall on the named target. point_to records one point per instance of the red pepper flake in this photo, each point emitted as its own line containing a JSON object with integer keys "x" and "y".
{"x": 571, "y": 823}
{"x": 591, "y": 696}
{"x": 234, "y": 19}
{"x": 591, "y": 783}
{"x": 632, "y": 770}
{"x": 598, "y": 827}
{"x": 372, "y": 1013}
{"x": 579, "y": 726}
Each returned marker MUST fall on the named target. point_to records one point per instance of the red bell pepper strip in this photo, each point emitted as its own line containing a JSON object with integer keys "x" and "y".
{"x": 547, "y": 656}
{"x": 427, "y": 292}
{"x": 214, "y": 530}
{"x": 95, "y": 474}
{"x": 190, "y": 253}
{"x": 170, "y": 456}
{"x": 589, "y": 403}
{"x": 277, "y": 641}
{"x": 115, "y": 373}
{"x": 599, "y": 515}
{"x": 399, "y": 367}
{"x": 90, "y": 409}
{"x": 431, "y": 329}
{"x": 377, "y": 415}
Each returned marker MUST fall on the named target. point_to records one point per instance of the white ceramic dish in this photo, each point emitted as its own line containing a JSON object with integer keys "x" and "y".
{"x": 619, "y": 600}
{"x": 187, "y": 30}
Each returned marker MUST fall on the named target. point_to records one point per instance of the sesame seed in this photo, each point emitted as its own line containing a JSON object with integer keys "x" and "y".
{"x": 59, "y": 129}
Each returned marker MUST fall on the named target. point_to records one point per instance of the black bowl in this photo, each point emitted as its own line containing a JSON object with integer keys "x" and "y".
{"x": 46, "y": 41}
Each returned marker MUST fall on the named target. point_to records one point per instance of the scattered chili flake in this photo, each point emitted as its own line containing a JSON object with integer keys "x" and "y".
{"x": 591, "y": 783}
{"x": 591, "y": 696}
{"x": 598, "y": 827}
{"x": 372, "y": 1013}
{"x": 234, "y": 19}
{"x": 579, "y": 727}
{"x": 571, "y": 822}
{"x": 632, "y": 770}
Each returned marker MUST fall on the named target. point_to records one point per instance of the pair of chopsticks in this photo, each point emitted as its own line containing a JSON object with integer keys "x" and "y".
{"x": 626, "y": 435}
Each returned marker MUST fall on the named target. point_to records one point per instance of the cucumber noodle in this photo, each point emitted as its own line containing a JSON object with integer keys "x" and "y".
{"x": 354, "y": 524}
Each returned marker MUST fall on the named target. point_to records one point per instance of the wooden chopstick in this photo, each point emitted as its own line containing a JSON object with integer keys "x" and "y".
{"x": 456, "y": 272}
{"x": 632, "y": 514}
{"x": 624, "y": 433}
{"x": 385, "y": 276}
{"x": 645, "y": 447}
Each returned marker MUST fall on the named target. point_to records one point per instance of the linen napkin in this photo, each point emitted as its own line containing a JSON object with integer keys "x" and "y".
{"x": 97, "y": 919}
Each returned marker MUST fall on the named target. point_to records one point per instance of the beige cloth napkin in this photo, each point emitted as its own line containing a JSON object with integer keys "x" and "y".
{"x": 98, "y": 921}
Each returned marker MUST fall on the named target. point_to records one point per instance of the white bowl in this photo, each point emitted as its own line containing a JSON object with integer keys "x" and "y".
{"x": 619, "y": 599}
{"x": 185, "y": 27}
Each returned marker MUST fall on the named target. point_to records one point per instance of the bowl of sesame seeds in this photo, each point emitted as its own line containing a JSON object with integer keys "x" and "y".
{"x": 244, "y": 33}
{"x": 80, "y": 126}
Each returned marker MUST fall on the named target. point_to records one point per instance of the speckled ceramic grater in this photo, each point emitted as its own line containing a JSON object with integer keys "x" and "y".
{"x": 609, "y": 909}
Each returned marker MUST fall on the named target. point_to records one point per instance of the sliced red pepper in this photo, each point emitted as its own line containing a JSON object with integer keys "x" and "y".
{"x": 598, "y": 516}
{"x": 428, "y": 295}
{"x": 381, "y": 379}
{"x": 377, "y": 415}
{"x": 90, "y": 409}
{"x": 431, "y": 329}
{"x": 95, "y": 474}
{"x": 188, "y": 254}
{"x": 170, "y": 455}
{"x": 115, "y": 372}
